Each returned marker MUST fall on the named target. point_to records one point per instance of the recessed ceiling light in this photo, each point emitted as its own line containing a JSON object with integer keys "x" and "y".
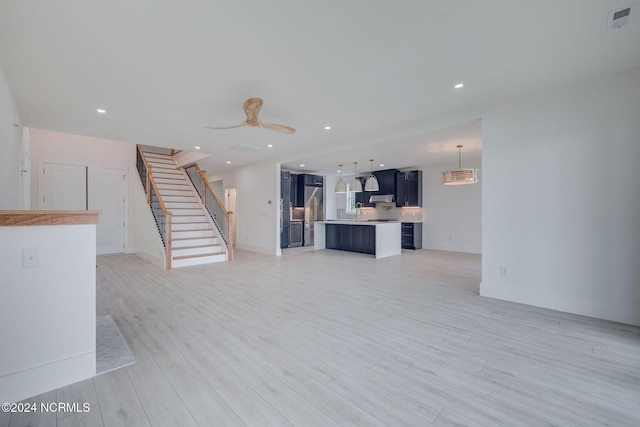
{"x": 327, "y": 127}
{"x": 197, "y": 148}
{"x": 228, "y": 162}
{"x": 458, "y": 86}
{"x": 381, "y": 165}
{"x": 301, "y": 165}
{"x": 101, "y": 110}
{"x": 270, "y": 145}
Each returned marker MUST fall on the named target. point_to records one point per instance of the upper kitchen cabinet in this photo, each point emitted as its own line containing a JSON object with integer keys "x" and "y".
{"x": 293, "y": 185}
{"x": 309, "y": 180}
{"x": 386, "y": 181}
{"x": 306, "y": 180}
{"x": 409, "y": 189}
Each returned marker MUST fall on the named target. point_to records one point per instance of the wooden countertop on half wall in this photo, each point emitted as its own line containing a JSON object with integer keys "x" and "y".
{"x": 60, "y": 217}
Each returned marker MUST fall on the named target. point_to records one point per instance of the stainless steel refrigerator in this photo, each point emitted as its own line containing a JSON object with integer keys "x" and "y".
{"x": 313, "y": 211}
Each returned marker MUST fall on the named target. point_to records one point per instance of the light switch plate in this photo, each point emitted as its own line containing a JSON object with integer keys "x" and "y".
{"x": 30, "y": 257}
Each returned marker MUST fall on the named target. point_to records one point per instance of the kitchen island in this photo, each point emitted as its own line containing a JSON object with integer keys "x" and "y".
{"x": 378, "y": 238}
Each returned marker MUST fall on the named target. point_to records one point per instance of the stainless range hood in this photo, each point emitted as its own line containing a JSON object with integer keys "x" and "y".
{"x": 381, "y": 198}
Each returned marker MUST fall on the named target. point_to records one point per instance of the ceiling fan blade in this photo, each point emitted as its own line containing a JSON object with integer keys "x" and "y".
{"x": 228, "y": 127}
{"x": 276, "y": 127}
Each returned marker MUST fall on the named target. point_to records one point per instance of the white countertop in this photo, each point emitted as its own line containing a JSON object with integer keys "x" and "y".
{"x": 353, "y": 222}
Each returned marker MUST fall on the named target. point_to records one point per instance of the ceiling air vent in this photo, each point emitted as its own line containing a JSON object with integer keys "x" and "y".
{"x": 245, "y": 148}
{"x": 619, "y": 18}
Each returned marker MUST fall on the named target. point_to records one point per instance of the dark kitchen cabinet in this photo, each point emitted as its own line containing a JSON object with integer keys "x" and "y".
{"x": 309, "y": 180}
{"x": 353, "y": 238}
{"x": 306, "y": 180}
{"x": 386, "y": 181}
{"x": 293, "y": 185}
{"x": 285, "y": 202}
{"x": 409, "y": 189}
{"x": 411, "y": 235}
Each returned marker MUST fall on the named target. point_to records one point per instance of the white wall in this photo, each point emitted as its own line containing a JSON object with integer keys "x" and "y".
{"x": 49, "y": 311}
{"x": 10, "y": 137}
{"x": 452, "y": 214}
{"x": 57, "y": 147}
{"x": 258, "y": 206}
{"x": 561, "y": 198}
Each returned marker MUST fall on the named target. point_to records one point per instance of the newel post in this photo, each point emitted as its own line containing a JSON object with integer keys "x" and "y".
{"x": 203, "y": 175}
{"x": 230, "y": 236}
{"x": 167, "y": 238}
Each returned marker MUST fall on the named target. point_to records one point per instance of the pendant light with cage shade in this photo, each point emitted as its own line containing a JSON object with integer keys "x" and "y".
{"x": 372, "y": 181}
{"x": 355, "y": 186}
{"x": 341, "y": 186}
{"x": 460, "y": 176}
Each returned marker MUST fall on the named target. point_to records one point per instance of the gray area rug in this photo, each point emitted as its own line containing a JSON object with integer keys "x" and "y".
{"x": 112, "y": 351}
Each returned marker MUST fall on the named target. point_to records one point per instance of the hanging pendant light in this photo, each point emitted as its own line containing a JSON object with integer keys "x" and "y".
{"x": 460, "y": 176}
{"x": 355, "y": 186}
{"x": 372, "y": 181}
{"x": 341, "y": 187}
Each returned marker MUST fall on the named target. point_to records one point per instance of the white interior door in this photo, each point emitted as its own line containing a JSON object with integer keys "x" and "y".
{"x": 64, "y": 187}
{"x": 106, "y": 194}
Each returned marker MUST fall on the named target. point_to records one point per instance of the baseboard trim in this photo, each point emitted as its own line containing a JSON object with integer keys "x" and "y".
{"x": 627, "y": 313}
{"x": 31, "y": 382}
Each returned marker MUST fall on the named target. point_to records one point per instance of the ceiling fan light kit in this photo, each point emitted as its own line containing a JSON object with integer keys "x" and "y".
{"x": 372, "y": 181}
{"x": 341, "y": 186}
{"x": 252, "y": 109}
{"x": 355, "y": 186}
{"x": 460, "y": 176}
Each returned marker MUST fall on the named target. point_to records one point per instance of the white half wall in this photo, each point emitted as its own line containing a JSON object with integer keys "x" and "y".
{"x": 561, "y": 198}
{"x": 48, "y": 311}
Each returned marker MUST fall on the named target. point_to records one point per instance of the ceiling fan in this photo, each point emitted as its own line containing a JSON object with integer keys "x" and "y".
{"x": 251, "y": 109}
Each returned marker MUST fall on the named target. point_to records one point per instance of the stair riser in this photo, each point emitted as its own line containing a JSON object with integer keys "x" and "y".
{"x": 180, "y": 199}
{"x": 188, "y": 219}
{"x": 211, "y": 241}
{"x": 149, "y": 155}
{"x": 191, "y": 234}
{"x": 178, "y": 180}
{"x": 164, "y": 186}
{"x": 160, "y": 161}
{"x": 167, "y": 174}
{"x": 162, "y": 169}
{"x": 166, "y": 192}
{"x": 198, "y": 261}
{"x": 184, "y": 205}
{"x": 195, "y": 251}
{"x": 184, "y": 226}
{"x": 175, "y": 211}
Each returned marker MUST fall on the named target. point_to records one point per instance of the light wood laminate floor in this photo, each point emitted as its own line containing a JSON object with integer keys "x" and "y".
{"x": 332, "y": 338}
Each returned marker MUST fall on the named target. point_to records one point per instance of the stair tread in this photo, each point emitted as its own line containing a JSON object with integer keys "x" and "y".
{"x": 191, "y": 238}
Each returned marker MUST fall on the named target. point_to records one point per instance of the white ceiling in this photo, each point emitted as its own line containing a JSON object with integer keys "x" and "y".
{"x": 164, "y": 70}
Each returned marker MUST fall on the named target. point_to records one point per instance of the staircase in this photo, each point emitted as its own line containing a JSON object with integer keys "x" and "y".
{"x": 194, "y": 239}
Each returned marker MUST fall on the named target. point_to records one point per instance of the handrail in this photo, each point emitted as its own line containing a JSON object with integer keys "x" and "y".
{"x": 162, "y": 216}
{"x": 206, "y": 196}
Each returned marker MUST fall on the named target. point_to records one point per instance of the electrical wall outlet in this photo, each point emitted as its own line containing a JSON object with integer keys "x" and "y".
{"x": 30, "y": 257}
{"x": 504, "y": 271}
